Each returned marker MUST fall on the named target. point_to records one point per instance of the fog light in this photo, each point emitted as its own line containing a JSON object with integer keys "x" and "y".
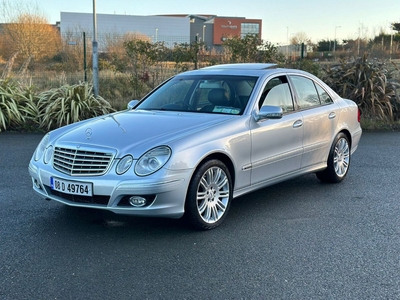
{"x": 137, "y": 201}
{"x": 37, "y": 184}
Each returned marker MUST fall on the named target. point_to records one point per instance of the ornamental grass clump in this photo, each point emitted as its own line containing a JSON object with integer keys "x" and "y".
{"x": 369, "y": 83}
{"x": 18, "y": 109}
{"x": 69, "y": 104}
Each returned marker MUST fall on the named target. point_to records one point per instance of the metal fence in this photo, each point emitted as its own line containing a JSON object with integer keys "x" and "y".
{"x": 72, "y": 63}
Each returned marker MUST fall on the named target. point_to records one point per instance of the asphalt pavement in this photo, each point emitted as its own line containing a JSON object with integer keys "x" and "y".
{"x": 300, "y": 239}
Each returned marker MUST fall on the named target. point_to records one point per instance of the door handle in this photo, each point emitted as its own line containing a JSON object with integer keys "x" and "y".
{"x": 332, "y": 115}
{"x": 298, "y": 124}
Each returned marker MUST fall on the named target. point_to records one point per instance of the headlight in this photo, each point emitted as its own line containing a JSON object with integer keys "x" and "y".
{"x": 48, "y": 154}
{"x": 41, "y": 147}
{"x": 152, "y": 161}
{"x": 124, "y": 164}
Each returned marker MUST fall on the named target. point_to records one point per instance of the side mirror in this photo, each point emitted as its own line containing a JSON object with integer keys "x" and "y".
{"x": 132, "y": 104}
{"x": 268, "y": 112}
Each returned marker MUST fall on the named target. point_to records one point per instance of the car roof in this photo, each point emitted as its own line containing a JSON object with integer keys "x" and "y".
{"x": 246, "y": 69}
{"x": 244, "y": 66}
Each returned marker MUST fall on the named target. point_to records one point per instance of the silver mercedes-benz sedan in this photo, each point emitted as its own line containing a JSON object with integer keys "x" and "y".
{"x": 199, "y": 140}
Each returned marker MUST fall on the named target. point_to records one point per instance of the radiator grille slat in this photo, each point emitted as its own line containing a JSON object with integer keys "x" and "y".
{"x": 78, "y": 162}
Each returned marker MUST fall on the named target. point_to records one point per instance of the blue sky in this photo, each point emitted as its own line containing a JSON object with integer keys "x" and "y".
{"x": 281, "y": 19}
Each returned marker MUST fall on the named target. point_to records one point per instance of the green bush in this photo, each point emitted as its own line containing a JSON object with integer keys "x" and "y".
{"x": 69, "y": 104}
{"x": 369, "y": 83}
{"x": 18, "y": 110}
{"x": 117, "y": 89}
{"x": 305, "y": 65}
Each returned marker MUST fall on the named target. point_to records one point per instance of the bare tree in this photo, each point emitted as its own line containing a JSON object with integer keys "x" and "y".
{"x": 27, "y": 31}
{"x": 299, "y": 38}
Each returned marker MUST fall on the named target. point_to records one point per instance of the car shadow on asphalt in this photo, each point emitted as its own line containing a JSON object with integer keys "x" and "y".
{"x": 287, "y": 200}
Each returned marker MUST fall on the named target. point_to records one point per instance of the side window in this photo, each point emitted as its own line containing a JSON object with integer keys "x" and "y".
{"x": 306, "y": 92}
{"x": 323, "y": 95}
{"x": 277, "y": 93}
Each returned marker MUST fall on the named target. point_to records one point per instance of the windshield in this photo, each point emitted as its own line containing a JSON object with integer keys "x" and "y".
{"x": 204, "y": 94}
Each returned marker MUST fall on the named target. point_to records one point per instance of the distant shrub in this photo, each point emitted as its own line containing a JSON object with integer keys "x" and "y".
{"x": 117, "y": 89}
{"x": 305, "y": 65}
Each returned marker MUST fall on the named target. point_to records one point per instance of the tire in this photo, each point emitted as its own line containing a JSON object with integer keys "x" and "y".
{"x": 209, "y": 195}
{"x": 338, "y": 161}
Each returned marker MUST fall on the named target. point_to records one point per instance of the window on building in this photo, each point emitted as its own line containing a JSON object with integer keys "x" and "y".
{"x": 249, "y": 28}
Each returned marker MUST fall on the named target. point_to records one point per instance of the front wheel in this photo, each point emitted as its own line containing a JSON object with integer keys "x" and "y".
{"x": 209, "y": 195}
{"x": 338, "y": 161}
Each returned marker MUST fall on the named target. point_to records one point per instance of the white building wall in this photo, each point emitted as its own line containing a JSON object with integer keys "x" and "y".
{"x": 158, "y": 28}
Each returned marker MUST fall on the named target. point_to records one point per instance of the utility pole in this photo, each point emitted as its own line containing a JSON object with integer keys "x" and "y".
{"x": 334, "y": 41}
{"x": 84, "y": 56}
{"x": 95, "y": 54}
{"x": 287, "y": 43}
{"x": 391, "y": 46}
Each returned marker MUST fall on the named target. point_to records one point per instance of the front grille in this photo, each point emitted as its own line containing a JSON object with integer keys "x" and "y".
{"x": 78, "y": 162}
{"x": 95, "y": 199}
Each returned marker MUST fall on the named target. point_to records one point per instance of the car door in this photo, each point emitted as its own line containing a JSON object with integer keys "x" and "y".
{"x": 276, "y": 143}
{"x": 320, "y": 117}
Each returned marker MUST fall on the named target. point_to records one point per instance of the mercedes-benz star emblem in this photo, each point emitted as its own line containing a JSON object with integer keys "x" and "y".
{"x": 88, "y": 133}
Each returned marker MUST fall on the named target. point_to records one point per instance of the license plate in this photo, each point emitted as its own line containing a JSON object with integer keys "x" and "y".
{"x": 71, "y": 187}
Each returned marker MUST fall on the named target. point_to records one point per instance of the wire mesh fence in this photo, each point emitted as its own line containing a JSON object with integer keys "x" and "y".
{"x": 72, "y": 63}
{"x": 122, "y": 75}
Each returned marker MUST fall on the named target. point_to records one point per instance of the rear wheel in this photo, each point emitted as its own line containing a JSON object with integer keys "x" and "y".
{"x": 209, "y": 195}
{"x": 338, "y": 161}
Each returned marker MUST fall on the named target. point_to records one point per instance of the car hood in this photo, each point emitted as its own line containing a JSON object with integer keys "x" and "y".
{"x": 138, "y": 131}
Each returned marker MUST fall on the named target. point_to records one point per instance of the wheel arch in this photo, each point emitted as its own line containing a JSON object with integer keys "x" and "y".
{"x": 191, "y": 213}
{"x": 224, "y": 159}
{"x": 348, "y": 134}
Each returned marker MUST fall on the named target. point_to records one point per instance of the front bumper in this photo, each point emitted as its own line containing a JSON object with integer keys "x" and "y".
{"x": 166, "y": 191}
